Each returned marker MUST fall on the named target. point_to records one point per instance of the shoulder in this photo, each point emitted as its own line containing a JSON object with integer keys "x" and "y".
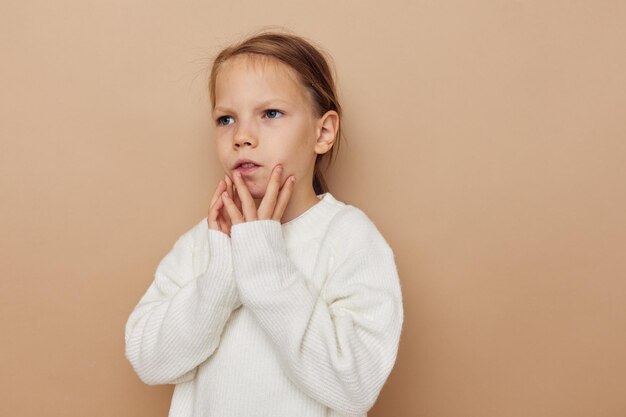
{"x": 195, "y": 245}
{"x": 193, "y": 236}
{"x": 359, "y": 255}
{"x": 351, "y": 230}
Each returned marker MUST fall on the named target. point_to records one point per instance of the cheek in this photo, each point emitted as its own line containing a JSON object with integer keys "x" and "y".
{"x": 302, "y": 143}
{"x": 221, "y": 151}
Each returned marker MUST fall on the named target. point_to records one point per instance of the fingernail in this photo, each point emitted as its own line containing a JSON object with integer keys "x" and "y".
{"x": 279, "y": 169}
{"x": 225, "y": 194}
{"x": 293, "y": 179}
{"x": 238, "y": 174}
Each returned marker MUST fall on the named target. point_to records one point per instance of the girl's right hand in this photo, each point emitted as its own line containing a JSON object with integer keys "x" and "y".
{"x": 217, "y": 217}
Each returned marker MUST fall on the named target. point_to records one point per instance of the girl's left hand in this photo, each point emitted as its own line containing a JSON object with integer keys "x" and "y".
{"x": 272, "y": 206}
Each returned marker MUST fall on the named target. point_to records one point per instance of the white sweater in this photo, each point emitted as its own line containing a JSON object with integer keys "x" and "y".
{"x": 301, "y": 319}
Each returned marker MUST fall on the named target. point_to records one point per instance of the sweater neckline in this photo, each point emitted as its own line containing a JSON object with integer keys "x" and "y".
{"x": 311, "y": 217}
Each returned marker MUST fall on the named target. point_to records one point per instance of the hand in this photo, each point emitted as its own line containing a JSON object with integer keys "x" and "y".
{"x": 218, "y": 218}
{"x": 272, "y": 206}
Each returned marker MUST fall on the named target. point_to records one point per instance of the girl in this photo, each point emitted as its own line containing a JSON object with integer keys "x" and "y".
{"x": 283, "y": 301}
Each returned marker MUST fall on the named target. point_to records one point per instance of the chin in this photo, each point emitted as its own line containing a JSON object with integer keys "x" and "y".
{"x": 257, "y": 195}
{"x": 256, "y": 189}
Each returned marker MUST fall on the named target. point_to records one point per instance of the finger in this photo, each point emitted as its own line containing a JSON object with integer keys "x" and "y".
{"x": 214, "y": 214}
{"x": 266, "y": 208}
{"x": 224, "y": 218}
{"x": 237, "y": 200}
{"x": 235, "y": 215}
{"x": 283, "y": 198}
{"x": 229, "y": 186}
{"x": 224, "y": 227}
{"x": 230, "y": 191}
{"x": 247, "y": 202}
{"x": 219, "y": 190}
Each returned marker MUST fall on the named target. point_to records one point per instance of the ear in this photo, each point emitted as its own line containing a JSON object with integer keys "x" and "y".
{"x": 327, "y": 127}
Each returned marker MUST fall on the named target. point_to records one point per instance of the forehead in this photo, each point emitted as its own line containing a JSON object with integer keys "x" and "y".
{"x": 251, "y": 74}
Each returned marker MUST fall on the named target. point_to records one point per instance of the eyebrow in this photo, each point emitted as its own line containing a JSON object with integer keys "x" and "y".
{"x": 262, "y": 105}
{"x": 267, "y": 103}
{"x": 218, "y": 109}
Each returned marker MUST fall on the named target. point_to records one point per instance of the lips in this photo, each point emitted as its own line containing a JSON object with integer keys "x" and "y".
{"x": 245, "y": 166}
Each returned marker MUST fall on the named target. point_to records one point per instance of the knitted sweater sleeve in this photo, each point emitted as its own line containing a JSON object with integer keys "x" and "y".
{"x": 178, "y": 322}
{"x": 340, "y": 345}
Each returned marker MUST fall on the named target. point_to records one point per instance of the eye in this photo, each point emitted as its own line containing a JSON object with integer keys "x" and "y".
{"x": 225, "y": 120}
{"x": 273, "y": 113}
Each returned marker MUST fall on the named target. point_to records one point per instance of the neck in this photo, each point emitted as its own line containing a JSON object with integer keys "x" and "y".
{"x": 302, "y": 199}
{"x": 298, "y": 204}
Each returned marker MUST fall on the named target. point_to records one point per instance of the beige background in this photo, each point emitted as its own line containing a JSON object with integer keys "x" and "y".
{"x": 486, "y": 140}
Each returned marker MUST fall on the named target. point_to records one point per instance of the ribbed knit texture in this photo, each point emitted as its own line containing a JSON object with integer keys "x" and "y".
{"x": 301, "y": 319}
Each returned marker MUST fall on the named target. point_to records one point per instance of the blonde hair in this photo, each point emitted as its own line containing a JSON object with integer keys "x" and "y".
{"x": 314, "y": 73}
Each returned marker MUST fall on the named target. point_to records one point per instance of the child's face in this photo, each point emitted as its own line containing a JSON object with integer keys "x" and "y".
{"x": 263, "y": 114}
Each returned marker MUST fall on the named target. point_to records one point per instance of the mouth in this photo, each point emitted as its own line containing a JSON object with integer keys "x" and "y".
{"x": 245, "y": 166}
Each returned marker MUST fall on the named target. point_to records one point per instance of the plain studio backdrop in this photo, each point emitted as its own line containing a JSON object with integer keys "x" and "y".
{"x": 486, "y": 140}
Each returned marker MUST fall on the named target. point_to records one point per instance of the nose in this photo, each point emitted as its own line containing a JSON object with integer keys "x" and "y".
{"x": 244, "y": 137}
